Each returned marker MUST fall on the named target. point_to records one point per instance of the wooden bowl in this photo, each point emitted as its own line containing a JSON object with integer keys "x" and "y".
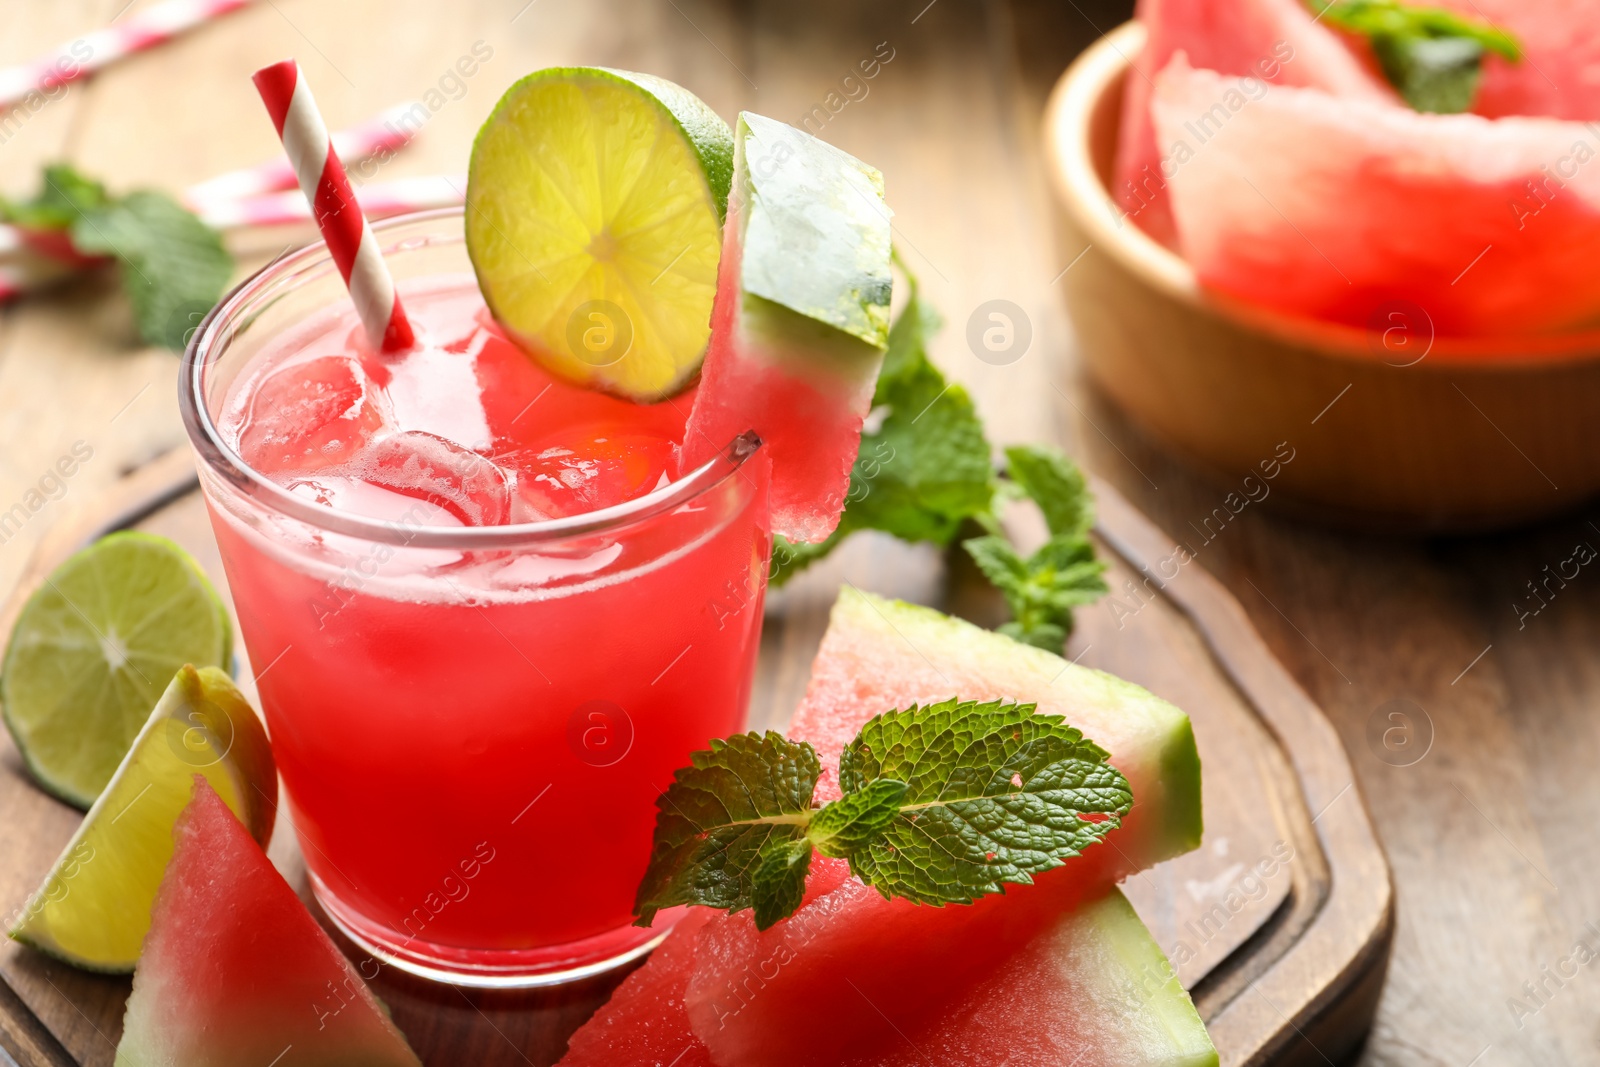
{"x": 1399, "y": 430}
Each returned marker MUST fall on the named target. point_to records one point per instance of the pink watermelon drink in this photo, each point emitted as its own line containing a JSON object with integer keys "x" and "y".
{"x": 486, "y": 624}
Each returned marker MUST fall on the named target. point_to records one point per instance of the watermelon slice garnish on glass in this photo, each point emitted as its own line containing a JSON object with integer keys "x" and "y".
{"x": 800, "y": 322}
{"x": 940, "y": 977}
{"x": 236, "y": 971}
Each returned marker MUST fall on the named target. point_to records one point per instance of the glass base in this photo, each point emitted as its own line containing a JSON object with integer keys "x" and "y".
{"x": 494, "y": 968}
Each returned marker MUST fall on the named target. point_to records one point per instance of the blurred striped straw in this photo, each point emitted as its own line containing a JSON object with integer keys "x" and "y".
{"x": 85, "y": 55}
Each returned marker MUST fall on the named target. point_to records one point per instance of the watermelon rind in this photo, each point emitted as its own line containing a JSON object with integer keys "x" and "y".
{"x": 815, "y": 233}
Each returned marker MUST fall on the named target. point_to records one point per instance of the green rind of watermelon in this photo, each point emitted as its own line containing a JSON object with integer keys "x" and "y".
{"x": 236, "y": 971}
{"x": 800, "y": 322}
{"x": 877, "y": 655}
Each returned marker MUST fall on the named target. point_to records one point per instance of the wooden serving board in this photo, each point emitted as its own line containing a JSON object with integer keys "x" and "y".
{"x": 1279, "y": 925}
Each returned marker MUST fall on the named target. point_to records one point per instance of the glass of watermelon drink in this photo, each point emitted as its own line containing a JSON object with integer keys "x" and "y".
{"x": 486, "y": 625}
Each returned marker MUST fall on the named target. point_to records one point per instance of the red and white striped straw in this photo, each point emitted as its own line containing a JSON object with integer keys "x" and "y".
{"x": 83, "y": 56}
{"x": 333, "y": 204}
{"x": 391, "y": 130}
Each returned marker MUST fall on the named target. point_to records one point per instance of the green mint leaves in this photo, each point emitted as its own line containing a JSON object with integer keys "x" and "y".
{"x": 941, "y": 804}
{"x": 174, "y": 267}
{"x": 735, "y": 812}
{"x": 924, "y": 473}
{"x": 1043, "y": 588}
{"x": 1432, "y": 57}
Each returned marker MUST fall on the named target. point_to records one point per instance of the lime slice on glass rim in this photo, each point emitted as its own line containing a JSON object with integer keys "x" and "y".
{"x": 93, "y": 908}
{"x": 93, "y": 649}
{"x": 594, "y": 213}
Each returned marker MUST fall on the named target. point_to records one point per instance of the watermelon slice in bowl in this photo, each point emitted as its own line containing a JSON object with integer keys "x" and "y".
{"x": 800, "y": 321}
{"x": 236, "y": 971}
{"x": 1333, "y": 209}
{"x": 1275, "y": 41}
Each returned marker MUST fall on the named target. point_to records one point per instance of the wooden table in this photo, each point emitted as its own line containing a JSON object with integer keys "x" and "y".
{"x": 1490, "y": 833}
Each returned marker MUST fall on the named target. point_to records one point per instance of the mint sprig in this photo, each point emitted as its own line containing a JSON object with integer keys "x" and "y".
{"x": 1432, "y": 56}
{"x": 1042, "y": 589}
{"x": 941, "y": 804}
{"x": 173, "y": 266}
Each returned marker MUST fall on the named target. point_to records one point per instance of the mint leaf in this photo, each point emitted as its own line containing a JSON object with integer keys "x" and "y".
{"x": 64, "y": 196}
{"x": 778, "y": 884}
{"x": 1432, "y": 57}
{"x": 727, "y": 814}
{"x": 941, "y": 804}
{"x": 995, "y": 794}
{"x": 923, "y": 465}
{"x": 1056, "y": 485}
{"x": 853, "y": 820}
{"x": 1043, "y": 589}
{"x": 174, "y": 267}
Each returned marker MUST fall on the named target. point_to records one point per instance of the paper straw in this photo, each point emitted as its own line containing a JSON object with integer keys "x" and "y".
{"x": 82, "y": 57}
{"x": 385, "y": 133}
{"x": 378, "y": 200}
{"x": 333, "y": 203}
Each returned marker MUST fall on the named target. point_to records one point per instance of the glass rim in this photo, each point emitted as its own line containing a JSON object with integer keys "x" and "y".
{"x": 211, "y": 337}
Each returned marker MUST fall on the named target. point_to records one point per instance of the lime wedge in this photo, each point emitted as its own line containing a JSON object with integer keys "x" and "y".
{"x": 93, "y": 909}
{"x": 594, "y": 212}
{"x": 93, "y": 649}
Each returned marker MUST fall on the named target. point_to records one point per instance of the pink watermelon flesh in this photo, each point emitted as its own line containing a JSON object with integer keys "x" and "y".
{"x": 1559, "y": 75}
{"x": 1091, "y": 990}
{"x": 800, "y": 320}
{"x": 1275, "y": 41}
{"x": 645, "y": 1024}
{"x": 236, "y": 971}
{"x": 878, "y": 655}
{"x": 1334, "y": 208}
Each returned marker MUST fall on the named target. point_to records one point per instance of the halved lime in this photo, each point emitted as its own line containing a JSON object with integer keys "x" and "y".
{"x": 93, "y": 649}
{"x": 594, "y": 216}
{"x": 93, "y": 908}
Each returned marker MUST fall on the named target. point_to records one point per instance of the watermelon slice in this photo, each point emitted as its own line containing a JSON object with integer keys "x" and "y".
{"x": 1274, "y": 41}
{"x": 1092, "y": 990}
{"x": 1559, "y": 75}
{"x": 235, "y": 970}
{"x": 1331, "y": 208}
{"x": 881, "y": 654}
{"x": 800, "y": 321}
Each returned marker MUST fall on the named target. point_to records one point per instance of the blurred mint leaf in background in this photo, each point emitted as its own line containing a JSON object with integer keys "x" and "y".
{"x": 1432, "y": 57}
{"x": 173, "y": 266}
